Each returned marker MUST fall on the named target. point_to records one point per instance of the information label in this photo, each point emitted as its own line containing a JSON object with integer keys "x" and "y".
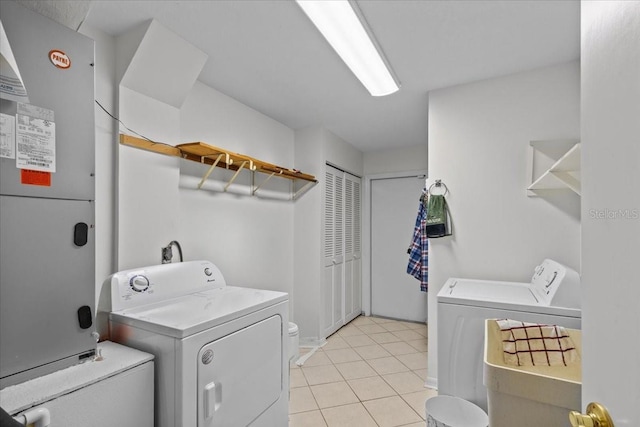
{"x": 35, "y": 138}
{"x": 7, "y": 136}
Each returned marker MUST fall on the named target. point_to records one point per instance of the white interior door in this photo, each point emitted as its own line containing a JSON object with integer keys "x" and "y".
{"x": 610, "y": 66}
{"x": 394, "y": 206}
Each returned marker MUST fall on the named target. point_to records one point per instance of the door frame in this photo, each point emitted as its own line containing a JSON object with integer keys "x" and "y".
{"x": 366, "y": 228}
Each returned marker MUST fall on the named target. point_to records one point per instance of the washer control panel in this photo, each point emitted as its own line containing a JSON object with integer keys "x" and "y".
{"x": 547, "y": 280}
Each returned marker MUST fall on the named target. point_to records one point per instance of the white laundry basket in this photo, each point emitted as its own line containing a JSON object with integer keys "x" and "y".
{"x": 294, "y": 342}
{"x": 449, "y": 411}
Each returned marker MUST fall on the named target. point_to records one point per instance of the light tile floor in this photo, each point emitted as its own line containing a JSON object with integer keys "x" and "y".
{"x": 370, "y": 373}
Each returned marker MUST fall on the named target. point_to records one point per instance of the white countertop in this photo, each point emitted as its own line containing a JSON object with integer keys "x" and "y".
{"x": 116, "y": 358}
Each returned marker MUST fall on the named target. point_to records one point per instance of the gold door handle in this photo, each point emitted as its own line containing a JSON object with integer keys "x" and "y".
{"x": 596, "y": 416}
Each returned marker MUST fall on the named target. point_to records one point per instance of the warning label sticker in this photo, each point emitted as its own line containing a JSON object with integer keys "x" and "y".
{"x": 35, "y": 138}
{"x": 31, "y": 177}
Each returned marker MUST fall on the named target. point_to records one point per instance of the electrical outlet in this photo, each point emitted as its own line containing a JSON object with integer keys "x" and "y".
{"x": 167, "y": 254}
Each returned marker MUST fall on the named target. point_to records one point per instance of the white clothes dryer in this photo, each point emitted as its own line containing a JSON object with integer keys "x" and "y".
{"x": 552, "y": 297}
{"x": 221, "y": 351}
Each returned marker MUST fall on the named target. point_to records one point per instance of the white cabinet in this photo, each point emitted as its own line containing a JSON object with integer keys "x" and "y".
{"x": 115, "y": 391}
{"x": 561, "y": 166}
{"x": 342, "y": 284}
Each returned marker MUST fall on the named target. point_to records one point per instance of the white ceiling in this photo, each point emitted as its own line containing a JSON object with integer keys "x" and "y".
{"x": 267, "y": 55}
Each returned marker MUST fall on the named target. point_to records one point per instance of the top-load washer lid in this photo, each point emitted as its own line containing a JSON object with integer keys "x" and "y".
{"x": 554, "y": 289}
{"x": 189, "y": 314}
{"x": 485, "y": 290}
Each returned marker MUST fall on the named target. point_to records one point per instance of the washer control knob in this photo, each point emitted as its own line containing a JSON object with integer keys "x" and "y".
{"x": 139, "y": 283}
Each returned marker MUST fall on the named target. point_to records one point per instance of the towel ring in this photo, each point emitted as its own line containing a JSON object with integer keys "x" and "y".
{"x": 438, "y": 184}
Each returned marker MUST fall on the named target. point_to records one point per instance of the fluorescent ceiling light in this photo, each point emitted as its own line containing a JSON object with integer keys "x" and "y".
{"x": 339, "y": 23}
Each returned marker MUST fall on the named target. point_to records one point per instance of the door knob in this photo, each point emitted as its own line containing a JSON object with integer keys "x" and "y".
{"x": 596, "y": 416}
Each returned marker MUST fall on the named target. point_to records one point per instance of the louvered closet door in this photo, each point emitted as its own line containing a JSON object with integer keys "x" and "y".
{"x": 333, "y": 300}
{"x": 342, "y": 285}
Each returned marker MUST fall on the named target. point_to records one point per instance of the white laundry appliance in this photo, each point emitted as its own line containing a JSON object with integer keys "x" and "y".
{"x": 552, "y": 297}
{"x": 221, "y": 352}
{"x": 86, "y": 394}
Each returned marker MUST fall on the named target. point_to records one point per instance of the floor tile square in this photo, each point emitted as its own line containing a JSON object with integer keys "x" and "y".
{"x": 375, "y": 351}
{"x": 343, "y": 355}
{"x": 321, "y": 374}
{"x": 354, "y": 415}
{"x": 408, "y": 335}
{"x": 422, "y": 331}
{"x": 391, "y": 411}
{"x": 415, "y": 325}
{"x": 371, "y": 388}
{"x": 333, "y": 394}
{"x": 395, "y": 326}
{"x": 404, "y": 382}
{"x": 420, "y": 345}
{"x": 301, "y": 400}
{"x": 414, "y": 361}
{"x": 380, "y": 320}
{"x": 318, "y": 358}
{"x": 387, "y": 365}
{"x": 359, "y": 340}
{"x": 422, "y": 373}
{"x": 384, "y": 337}
{"x": 372, "y": 329}
{"x": 363, "y": 320}
{"x": 307, "y": 419}
{"x": 335, "y": 342}
{"x": 349, "y": 330}
{"x": 354, "y": 370}
{"x": 398, "y": 348}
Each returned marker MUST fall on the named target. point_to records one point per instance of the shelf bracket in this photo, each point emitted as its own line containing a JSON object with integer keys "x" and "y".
{"x": 265, "y": 181}
{"x": 213, "y": 166}
{"x": 304, "y": 189}
{"x": 235, "y": 175}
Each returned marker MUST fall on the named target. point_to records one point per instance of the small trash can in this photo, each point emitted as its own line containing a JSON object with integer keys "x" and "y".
{"x": 294, "y": 342}
{"x": 449, "y": 411}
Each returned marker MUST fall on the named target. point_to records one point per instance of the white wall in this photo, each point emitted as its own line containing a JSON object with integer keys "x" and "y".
{"x": 106, "y": 151}
{"x": 479, "y": 135}
{"x": 396, "y": 160}
{"x": 314, "y": 147}
{"x": 147, "y": 214}
{"x": 140, "y": 205}
{"x": 308, "y": 265}
{"x": 249, "y": 239}
{"x": 610, "y": 128}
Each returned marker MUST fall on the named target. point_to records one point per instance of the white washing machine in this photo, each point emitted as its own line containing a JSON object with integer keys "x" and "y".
{"x": 221, "y": 352}
{"x": 552, "y": 297}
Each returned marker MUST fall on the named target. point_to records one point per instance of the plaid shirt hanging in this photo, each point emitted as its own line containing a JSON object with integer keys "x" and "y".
{"x": 418, "y": 252}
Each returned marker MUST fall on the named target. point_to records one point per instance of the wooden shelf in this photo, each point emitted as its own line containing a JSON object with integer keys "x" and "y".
{"x": 563, "y": 174}
{"x": 218, "y": 157}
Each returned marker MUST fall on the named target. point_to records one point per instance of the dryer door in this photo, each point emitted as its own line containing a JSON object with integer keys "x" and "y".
{"x": 240, "y": 375}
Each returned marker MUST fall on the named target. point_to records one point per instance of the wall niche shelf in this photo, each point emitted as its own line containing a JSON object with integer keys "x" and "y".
{"x": 216, "y": 157}
{"x": 554, "y": 165}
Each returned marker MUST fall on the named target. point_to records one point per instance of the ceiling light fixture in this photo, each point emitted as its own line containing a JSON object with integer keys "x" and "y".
{"x": 344, "y": 27}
